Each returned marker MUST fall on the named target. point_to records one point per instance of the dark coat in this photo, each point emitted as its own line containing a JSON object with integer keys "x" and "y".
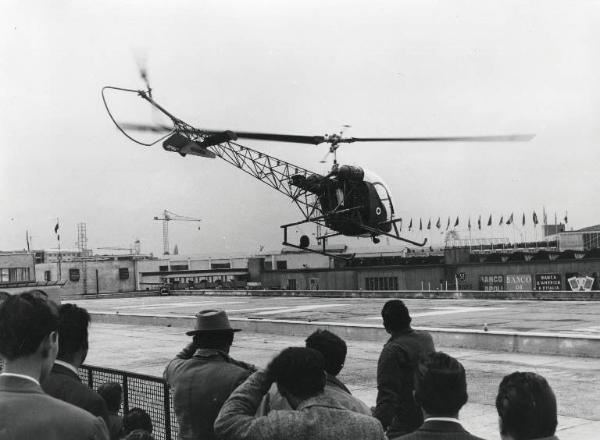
{"x": 201, "y": 384}
{"x": 26, "y": 412}
{"x": 439, "y": 430}
{"x": 64, "y": 384}
{"x": 396, "y": 408}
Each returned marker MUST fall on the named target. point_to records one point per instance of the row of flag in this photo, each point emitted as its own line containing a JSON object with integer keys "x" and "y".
{"x": 509, "y": 221}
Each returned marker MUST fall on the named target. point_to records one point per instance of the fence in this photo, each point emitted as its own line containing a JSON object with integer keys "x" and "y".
{"x": 150, "y": 393}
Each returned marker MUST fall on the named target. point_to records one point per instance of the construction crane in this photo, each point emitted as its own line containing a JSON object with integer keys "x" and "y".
{"x": 168, "y": 216}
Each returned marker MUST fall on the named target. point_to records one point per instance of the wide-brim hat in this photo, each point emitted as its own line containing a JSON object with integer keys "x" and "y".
{"x": 212, "y": 321}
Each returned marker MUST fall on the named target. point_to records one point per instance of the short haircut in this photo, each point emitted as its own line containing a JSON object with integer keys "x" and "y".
{"x": 440, "y": 384}
{"x": 139, "y": 434}
{"x": 215, "y": 340}
{"x": 527, "y": 406}
{"x": 300, "y": 370}
{"x": 136, "y": 418}
{"x": 395, "y": 315}
{"x": 111, "y": 393}
{"x": 72, "y": 330}
{"x": 25, "y": 320}
{"x": 332, "y": 347}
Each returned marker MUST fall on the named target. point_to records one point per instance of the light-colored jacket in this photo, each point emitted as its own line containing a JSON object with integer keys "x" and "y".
{"x": 317, "y": 418}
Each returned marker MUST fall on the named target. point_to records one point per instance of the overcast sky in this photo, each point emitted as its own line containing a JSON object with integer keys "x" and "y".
{"x": 387, "y": 68}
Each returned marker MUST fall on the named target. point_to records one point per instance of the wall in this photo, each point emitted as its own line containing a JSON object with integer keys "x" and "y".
{"x": 108, "y": 280}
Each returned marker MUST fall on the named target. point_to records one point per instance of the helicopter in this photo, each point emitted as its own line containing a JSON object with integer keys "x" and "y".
{"x": 347, "y": 201}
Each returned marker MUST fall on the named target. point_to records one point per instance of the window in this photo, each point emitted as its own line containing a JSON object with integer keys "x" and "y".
{"x": 381, "y": 283}
{"x": 74, "y": 275}
{"x": 291, "y": 284}
{"x": 47, "y": 276}
{"x": 163, "y": 268}
{"x": 4, "y": 275}
{"x": 179, "y": 267}
{"x": 220, "y": 265}
{"x": 123, "y": 273}
{"x": 281, "y": 265}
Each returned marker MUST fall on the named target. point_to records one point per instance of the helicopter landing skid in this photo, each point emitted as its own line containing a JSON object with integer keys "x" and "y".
{"x": 306, "y": 247}
{"x": 376, "y": 231}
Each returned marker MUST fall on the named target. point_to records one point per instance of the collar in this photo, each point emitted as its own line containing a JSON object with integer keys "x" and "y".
{"x": 442, "y": 419}
{"x": 22, "y": 376}
{"x": 67, "y": 366}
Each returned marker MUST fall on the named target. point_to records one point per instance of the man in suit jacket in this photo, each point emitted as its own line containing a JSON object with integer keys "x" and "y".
{"x": 203, "y": 375}
{"x": 526, "y": 407}
{"x": 63, "y": 382}
{"x": 28, "y": 345}
{"x": 396, "y": 408}
{"x": 300, "y": 377}
{"x": 440, "y": 391}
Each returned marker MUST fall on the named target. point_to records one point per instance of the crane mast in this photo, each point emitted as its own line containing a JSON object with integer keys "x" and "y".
{"x": 168, "y": 216}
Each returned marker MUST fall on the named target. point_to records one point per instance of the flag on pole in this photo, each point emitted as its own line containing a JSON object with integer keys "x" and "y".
{"x": 456, "y": 222}
{"x": 429, "y": 224}
{"x": 545, "y": 215}
{"x": 420, "y": 225}
{"x": 410, "y": 225}
{"x": 535, "y": 219}
{"x": 448, "y": 225}
{"x": 56, "y": 227}
{"x": 490, "y": 220}
{"x": 501, "y": 220}
{"x": 469, "y": 223}
{"x": 479, "y": 222}
{"x": 523, "y": 219}
{"x": 510, "y": 219}
{"x": 438, "y": 224}
{"x": 27, "y": 239}
{"x": 566, "y": 218}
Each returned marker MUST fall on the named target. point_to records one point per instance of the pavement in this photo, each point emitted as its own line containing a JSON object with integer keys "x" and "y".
{"x": 147, "y": 349}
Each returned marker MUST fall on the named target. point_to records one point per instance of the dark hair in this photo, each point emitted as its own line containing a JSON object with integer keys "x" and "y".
{"x": 72, "y": 330}
{"x": 332, "y": 347}
{"x": 440, "y": 384}
{"x": 215, "y": 340}
{"x": 395, "y": 315}
{"x": 139, "y": 434}
{"x": 136, "y": 418}
{"x": 25, "y": 320}
{"x": 111, "y": 393}
{"x": 527, "y": 406}
{"x": 300, "y": 370}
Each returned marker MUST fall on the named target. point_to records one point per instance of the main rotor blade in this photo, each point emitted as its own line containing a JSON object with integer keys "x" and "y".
{"x": 144, "y": 127}
{"x": 499, "y": 138}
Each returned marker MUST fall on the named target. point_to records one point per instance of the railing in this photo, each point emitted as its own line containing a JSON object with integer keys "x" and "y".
{"x": 150, "y": 393}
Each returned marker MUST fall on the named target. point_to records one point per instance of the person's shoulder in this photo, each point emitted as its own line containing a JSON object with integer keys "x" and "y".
{"x": 67, "y": 411}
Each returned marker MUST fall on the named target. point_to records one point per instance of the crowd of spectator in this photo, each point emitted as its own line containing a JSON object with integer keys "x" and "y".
{"x": 420, "y": 391}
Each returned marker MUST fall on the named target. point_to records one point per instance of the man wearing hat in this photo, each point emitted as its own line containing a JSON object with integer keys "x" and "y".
{"x": 203, "y": 375}
{"x": 396, "y": 407}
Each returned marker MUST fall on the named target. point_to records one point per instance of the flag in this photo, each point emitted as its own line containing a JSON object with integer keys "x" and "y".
{"x": 438, "y": 224}
{"x": 523, "y": 219}
{"x": 545, "y": 216}
{"x": 410, "y": 225}
{"x": 420, "y": 224}
{"x": 469, "y": 223}
{"x": 27, "y": 239}
{"x": 56, "y": 227}
{"x": 490, "y": 220}
{"x": 535, "y": 219}
{"x": 479, "y": 222}
{"x": 456, "y": 222}
{"x": 501, "y": 220}
{"x": 566, "y": 219}
{"x": 510, "y": 219}
{"x": 448, "y": 225}
{"x": 429, "y": 224}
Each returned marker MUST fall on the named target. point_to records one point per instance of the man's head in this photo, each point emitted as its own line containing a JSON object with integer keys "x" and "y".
{"x": 28, "y": 330}
{"x": 299, "y": 373}
{"x": 111, "y": 393}
{"x": 332, "y": 347}
{"x": 395, "y": 316}
{"x": 137, "y": 418}
{"x": 526, "y": 407}
{"x": 440, "y": 385}
{"x": 73, "y": 332}
{"x": 213, "y": 330}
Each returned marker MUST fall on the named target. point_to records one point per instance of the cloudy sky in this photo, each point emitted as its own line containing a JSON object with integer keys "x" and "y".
{"x": 387, "y": 68}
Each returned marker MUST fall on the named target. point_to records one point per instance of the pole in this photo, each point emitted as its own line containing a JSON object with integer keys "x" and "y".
{"x": 59, "y": 255}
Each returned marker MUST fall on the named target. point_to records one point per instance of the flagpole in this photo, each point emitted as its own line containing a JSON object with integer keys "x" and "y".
{"x": 59, "y": 255}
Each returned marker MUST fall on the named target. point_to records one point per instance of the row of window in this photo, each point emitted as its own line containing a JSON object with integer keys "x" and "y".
{"x": 75, "y": 274}
{"x": 14, "y": 274}
{"x": 381, "y": 283}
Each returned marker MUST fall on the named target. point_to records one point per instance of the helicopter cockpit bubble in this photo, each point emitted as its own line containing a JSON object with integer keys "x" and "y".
{"x": 136, "y": 118}
{"x": 383, "y": 191}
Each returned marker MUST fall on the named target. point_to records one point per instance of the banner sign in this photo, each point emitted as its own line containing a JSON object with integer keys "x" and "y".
{"x": 581, "y": 284}
{"x": 518, "y": 282}
{"x": 547, "y": 281}
{"x": 491, "y": 283}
